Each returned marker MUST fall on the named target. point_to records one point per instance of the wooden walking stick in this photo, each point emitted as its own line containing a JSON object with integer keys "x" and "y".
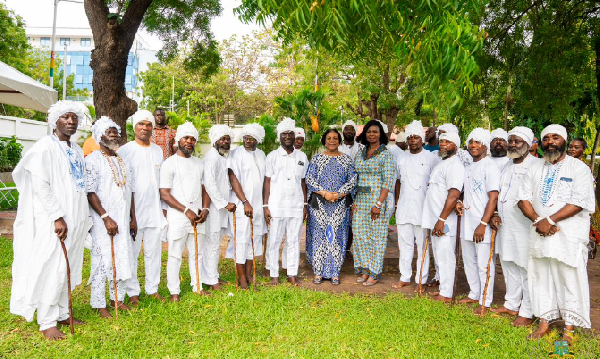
{"x": 198, "y": 285}
{"x": 235, "y": 251}
{"x": 114, "y": 270}
{"x": 487, "y": 279}
{"x": 423, "y": 260}
{"x": 62, "y": 243}
{"x": 457, "y": 247}
{"x": 253, "y": 258}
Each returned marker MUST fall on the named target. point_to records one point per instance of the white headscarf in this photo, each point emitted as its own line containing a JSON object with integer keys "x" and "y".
{"x": 287, "y": 124}
{"x": 61, "y": 107}
{"x": 255, "y": 131}
{"x": 401, "y": 137}
{"x": 217, "y": 131}
{"x": 558, "y": 129}
{"x": 143, "y": 115}
{"x": 186, "y": 129}
{"x": 299, "y": 132}
{"x": 452, "y": 137}
{"x": 524, "y": 133}
{"x": 415, "y": 128}
{"x": 448, "y": 127}
{"x": 499, "y": 133}
{"x": 101, "y": 125}
{"x": 480, "y": 135}
{"x": 349, "y": 123}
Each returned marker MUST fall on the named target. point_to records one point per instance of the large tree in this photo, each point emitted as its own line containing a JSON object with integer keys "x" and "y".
{"x": 114, "y": 23}
{"x": 13, "y": 40}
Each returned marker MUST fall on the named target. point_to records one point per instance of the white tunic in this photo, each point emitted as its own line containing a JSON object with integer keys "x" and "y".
{"x": 413, "y": 171}
{"x": 117, "y": 203}
{"x": 47, "y": 192}
{"x": 500, "y": 161}
{"x": 145, "y": 164}
{"x": 351, "y": 151}
{"x": 286, "y": 172}
{"x": 513, "y": 234}
{"x": 447, "y": 174}
{"x": 216, "y": 183}
{"x": 184, "y": 177}
{"x": 573, "y": 184}
{"x": 480, "y": 178}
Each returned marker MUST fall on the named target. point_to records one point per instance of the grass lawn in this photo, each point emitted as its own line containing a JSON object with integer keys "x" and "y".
{"x": 8, "y": 199}
{"x": 279, "y": 322}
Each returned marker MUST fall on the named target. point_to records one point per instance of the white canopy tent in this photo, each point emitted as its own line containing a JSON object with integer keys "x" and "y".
{"x": 20, "y": 90}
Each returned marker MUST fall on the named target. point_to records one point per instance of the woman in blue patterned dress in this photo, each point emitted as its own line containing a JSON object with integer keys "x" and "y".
{"x": 330, "y": 181}
{"x": 376, "y": 176}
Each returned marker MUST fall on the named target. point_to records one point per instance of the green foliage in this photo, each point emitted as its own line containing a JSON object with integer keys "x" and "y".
{"x": 9, "y": 199}
{"x": 13, "y": 40}
{"x": 10, "y": 153}
{"x": 202, "y": 123}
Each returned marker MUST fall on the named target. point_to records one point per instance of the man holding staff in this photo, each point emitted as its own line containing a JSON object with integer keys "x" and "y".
{"x": 246, "y": 169}
{"x": 182, "y": 189}
{"x": 110, "y": 194}
{"x": 482, "y": 183}
{"x": 52, "y": 208}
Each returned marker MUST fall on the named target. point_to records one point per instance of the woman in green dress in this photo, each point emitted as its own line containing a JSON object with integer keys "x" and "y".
{"x": 376, "y": 176}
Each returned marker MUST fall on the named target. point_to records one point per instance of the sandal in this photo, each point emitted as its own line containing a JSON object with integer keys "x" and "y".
{"x": 368, "y": 284}
{"x": 317, "y": 280}
{"x": 335, "y": 281}
{"x": 360, "y": 279}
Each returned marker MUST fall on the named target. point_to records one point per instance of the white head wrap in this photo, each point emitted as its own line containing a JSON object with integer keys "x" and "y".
{"x": 499, "y": 133}
{"x": 101, "y": 125}
{"x": 401, "y": 137}
{"x": 186, "y": 129}
{"x": 287, "y": 124}
{"x": 143, "y": 115}
{"x": 558, "y": 129}
{"x": 255, "y": 131}
{"x": 61, "y": 107}
{"x": 415, "y": 128}
{"x": 349, "y": 123}
{"x": 217, "y": 131}
{"x": 480, "y": 135}
{"x": 299, "y": 132}
{"x": 524, "y": 133}
{"x": 452, "y": 137}
{"x": 448, "y": 127}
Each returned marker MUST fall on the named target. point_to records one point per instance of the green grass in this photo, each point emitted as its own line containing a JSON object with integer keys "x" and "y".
{"x": 279, "y": 322}
{"x": 8, "y": 203}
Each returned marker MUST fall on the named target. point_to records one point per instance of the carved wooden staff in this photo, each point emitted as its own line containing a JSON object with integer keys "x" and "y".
{"x": 114, "y": 270}
{"x": 458, "y": 223}
{"x": 235, "y": 251}
{"x": 62, "y": 243}
{"x": 423, "y": 260}
{"x": 253, "y": 259}
{"x": 198, "y": 285}
{"x": 487, "y": 278}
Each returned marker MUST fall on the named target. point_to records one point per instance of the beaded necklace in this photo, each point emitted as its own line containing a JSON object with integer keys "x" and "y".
{"x": 119, "y": 183}
{"x": 548, "y": 180}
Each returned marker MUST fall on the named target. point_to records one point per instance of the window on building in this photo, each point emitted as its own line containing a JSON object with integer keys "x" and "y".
{"x": 45, "y": 41}
{"x": 78, "y": 79}
{"x": 90, "y": 78}
{"x": 65, "y": 41}
{"x": 86, "y": 42}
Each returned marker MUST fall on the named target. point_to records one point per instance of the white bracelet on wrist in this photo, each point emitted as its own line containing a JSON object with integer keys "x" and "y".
{"x": 206, "y": 209}
{"x": 441, "y": 219}
{"x": 537, "y": 220}
{"x": 104, "y": 215}
{"x": 484, "y": 223}
{"x": 265, "y": 205}
{"x": 186, "y": 209}
{"x": 551, "y": 221}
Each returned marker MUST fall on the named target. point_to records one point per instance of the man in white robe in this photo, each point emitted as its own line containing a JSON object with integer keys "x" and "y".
{"x": 349, "y": 144}
{"x": 482, "y": 183}
{"x": 246, "y": 168}
{"x": 144, "y": 158}
{"x": 557, "y": 195}
{"x": 462, "y": 154}
{"x": 110, "y": 194}
{"x": 300, "y": 138}
{"x": 512, "y": 243}
{"x": 53, "y": 207}
{"x": 499, "y": 147}
{"x": 284, "y": 201}
{"x": 444, "y": 188}
{"x": 413, "y": 169}
{"x": 182, "y": 189}
{"x": 216, "y": 182}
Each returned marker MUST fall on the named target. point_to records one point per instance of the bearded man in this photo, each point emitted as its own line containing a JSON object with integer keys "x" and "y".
{"x": 498, "y": 147}
{"x": 349, "y": 145}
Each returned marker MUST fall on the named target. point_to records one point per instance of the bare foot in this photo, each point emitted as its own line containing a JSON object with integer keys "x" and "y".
{"x": 223, "y": 281}
{"x": 157, "y": 297}
{"x": 292, "y": 280}
{"x": 504, "y": 310}
{"x": 216, "y": 286}
{"x": 400, "y": 284}
{"x": 122, "y": 305}
{"x": 104, "y": 313}
{"x": 135, "y": 300}
{"x": 522, "y": 322}
{"x": 569, "y": 334}
{"x": 433, "y": 283}
{"x": 175, "y": 298}
{"x": 75, "y": 322}
{"x": 467, "y": 300}
{"x": 441, "y": 298}
{"x": 243, "y": 282}
{"x": 543, "y": 329}
{"x": 480, "y": 310}
{"x": 53, "y": 334}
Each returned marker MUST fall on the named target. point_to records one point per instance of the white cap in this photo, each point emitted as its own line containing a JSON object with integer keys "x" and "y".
{"x": 186, "y": 129}
{"x": 101, "y": 125}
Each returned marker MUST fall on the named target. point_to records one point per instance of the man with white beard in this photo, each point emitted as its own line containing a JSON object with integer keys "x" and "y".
{"x": 444, "y": 188}
{"x": 144, "y": 158}
{"x": 182, "y": 189}
{"x": 216, "y": 182}
{"x": 557, "y": 195}
{"x": 513, "y": 233}
{"x": 482, "y": 183}
{"x": 110, "y": 194}
{"x": 498, "y": 147}
{"x": 413, "y": 169}
{"x": 246, "y": 168}
{"x": 52, "y": 208}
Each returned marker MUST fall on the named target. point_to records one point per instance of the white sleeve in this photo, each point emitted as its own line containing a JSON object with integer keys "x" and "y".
{"x": 42, "y": 190}
{"x": 582, "y": 194}
{"x": 455, "y": 177}
{"x": 211, "y": 185}
{"x": 92, "y": 175}
{"x": 166, "y": 175}
{"x": 492, "y": 178}
{"x": 270, "y": 165}
{"x": 526, "y": 189}
{"x": 305, "y": 169}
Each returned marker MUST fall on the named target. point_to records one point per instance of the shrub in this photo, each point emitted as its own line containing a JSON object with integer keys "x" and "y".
{"x": 10, "y": 153}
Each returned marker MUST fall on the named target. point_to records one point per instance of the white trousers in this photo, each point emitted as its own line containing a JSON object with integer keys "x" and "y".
{"x": 285, "y": 245}
{"x": 98, "y": 282}
{"x": 210, "y": 258}
{"x": 243, "y": 251}
{"x": 475, "y": 258}
{"x": 152, "y": 261}
{"x": 444, "y": 249}
{"x": 554, "y": 285}
{"x": 176, "y": 248}
{"x": 290, "y": 226}
{"x": 517, "y": 290}
{"x": 408, "y": 234}
{"x": 435, "y": 262}
{"x": 49, "y": 314}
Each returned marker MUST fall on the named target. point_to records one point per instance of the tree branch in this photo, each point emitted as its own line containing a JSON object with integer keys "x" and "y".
{"x": 97, "y": 14}
{"x": 134, "y": 14}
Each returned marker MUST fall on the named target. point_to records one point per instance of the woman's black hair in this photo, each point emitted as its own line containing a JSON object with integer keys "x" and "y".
{"x": 362, "y": 138}
{"x": 324, "y": 136}
{"x": 582, "y": 141}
